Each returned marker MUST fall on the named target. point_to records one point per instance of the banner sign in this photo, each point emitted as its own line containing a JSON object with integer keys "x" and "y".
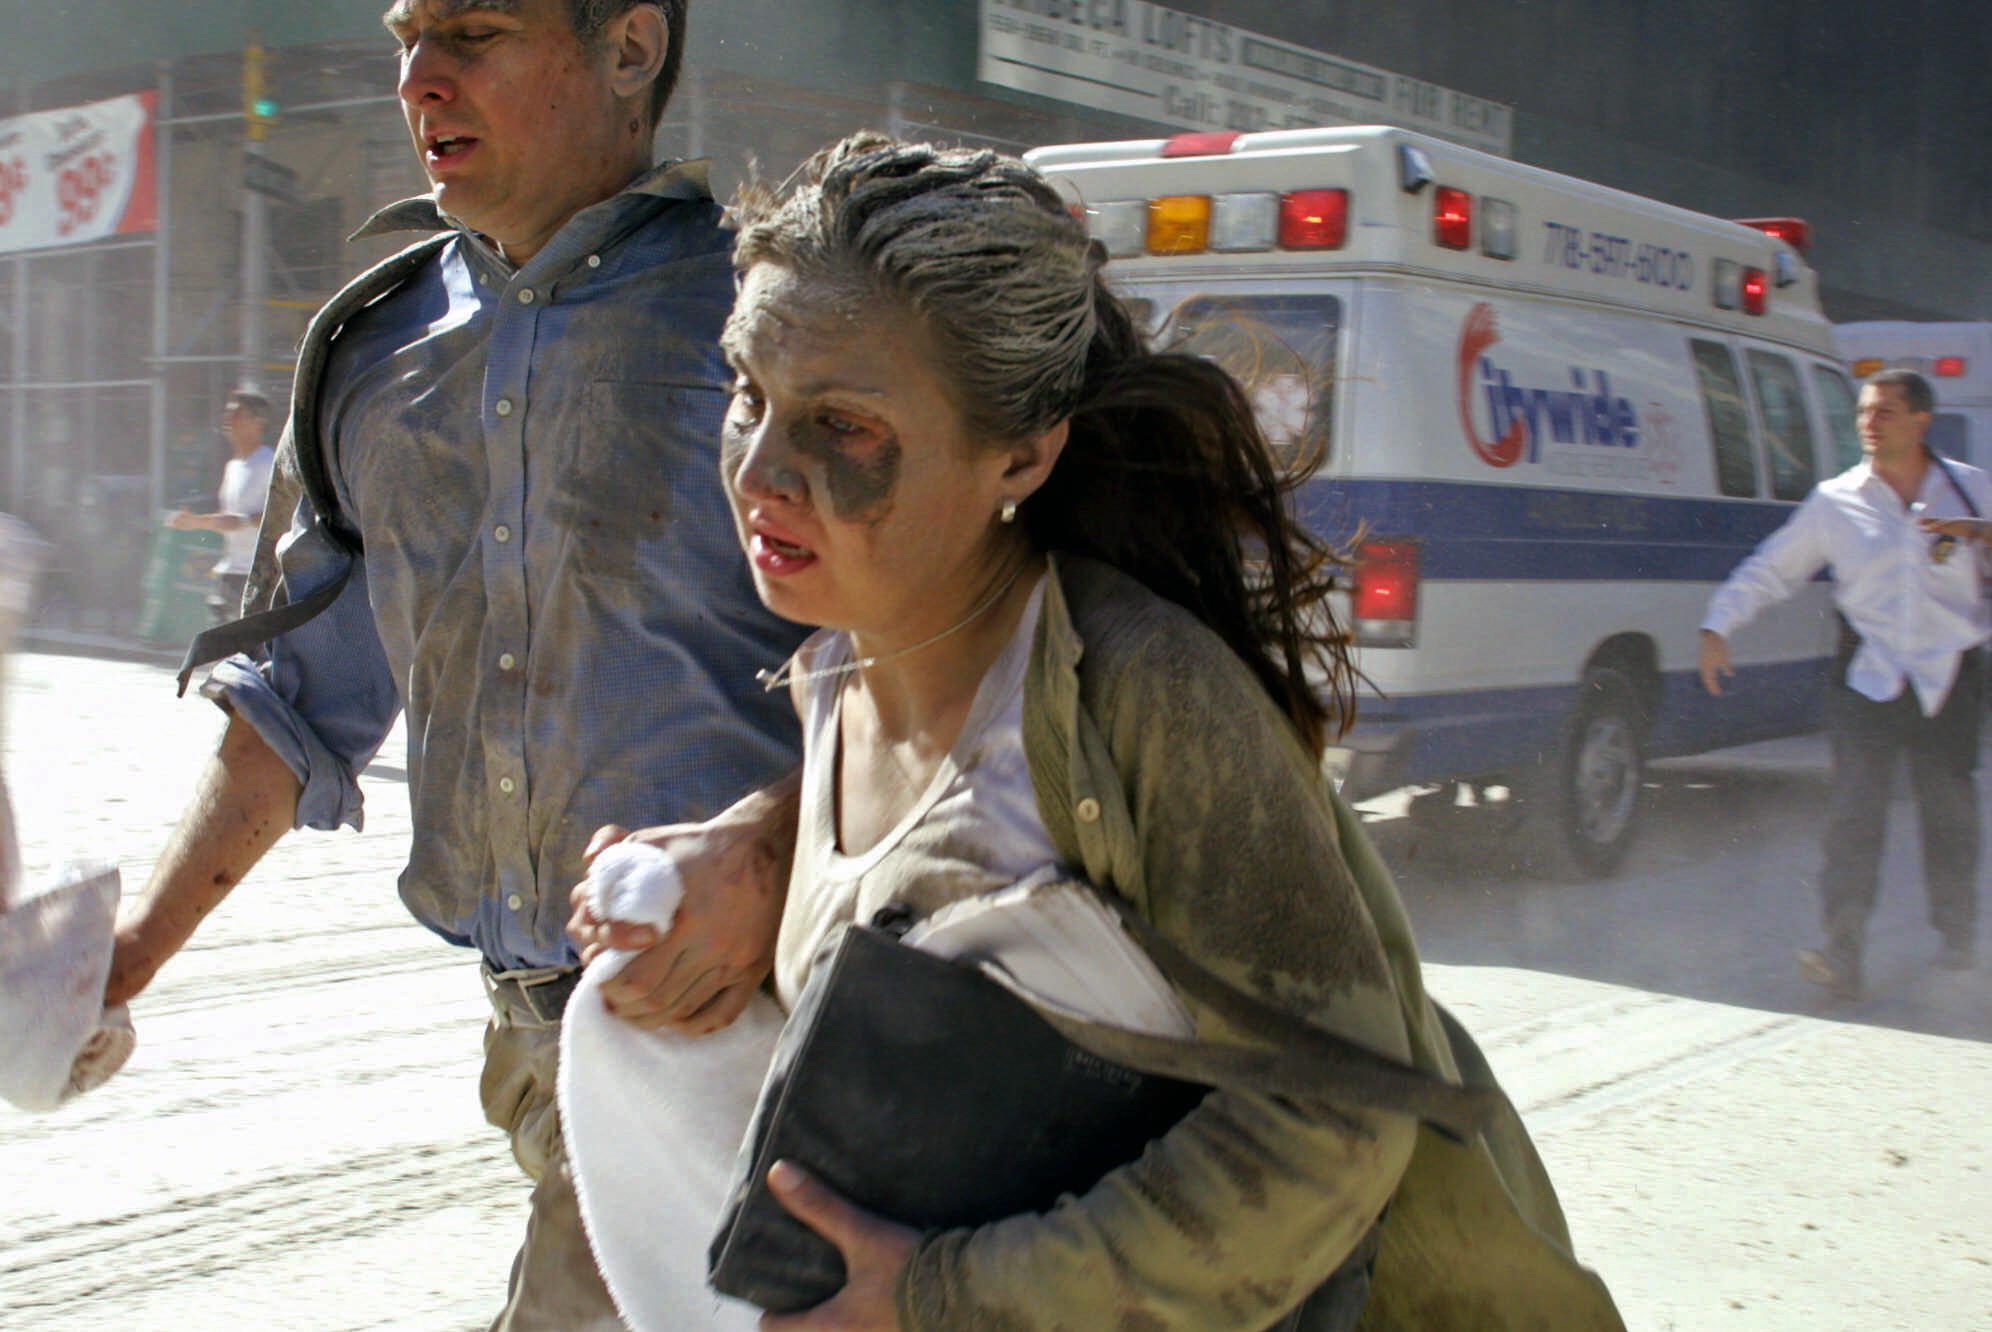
{"x": 78, "y": 174}
{"x": 1156, "y": 63}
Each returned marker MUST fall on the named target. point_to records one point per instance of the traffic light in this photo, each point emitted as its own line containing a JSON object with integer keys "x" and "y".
{"x": 258, "y": 107}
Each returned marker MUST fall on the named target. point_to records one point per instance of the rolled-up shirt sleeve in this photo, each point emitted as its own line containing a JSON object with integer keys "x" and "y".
{"x": 324, "y": 697}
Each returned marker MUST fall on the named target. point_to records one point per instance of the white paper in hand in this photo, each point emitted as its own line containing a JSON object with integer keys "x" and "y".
{"x": 56, "y": 1038}
{"x": 653, "y": 1120}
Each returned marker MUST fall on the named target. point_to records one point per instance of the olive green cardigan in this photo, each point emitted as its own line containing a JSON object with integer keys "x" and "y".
{"x": 1164, "y": 771}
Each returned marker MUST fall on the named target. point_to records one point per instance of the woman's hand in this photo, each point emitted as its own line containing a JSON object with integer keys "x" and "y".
{"x": 1964, "y": 529}
{"x": 875, "y": 1251}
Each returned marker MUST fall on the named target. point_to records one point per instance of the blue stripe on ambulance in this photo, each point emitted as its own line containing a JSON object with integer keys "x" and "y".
{"x": 1507, "y": 533}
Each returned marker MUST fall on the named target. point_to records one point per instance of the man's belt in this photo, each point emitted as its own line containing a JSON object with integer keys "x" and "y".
{"x": 533, "y": 996}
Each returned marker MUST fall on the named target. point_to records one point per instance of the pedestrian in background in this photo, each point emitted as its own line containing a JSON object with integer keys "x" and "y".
{"x": 1905, "y": 534}
{"x": 245, "y": 484}
{"x": 520, "y": 419}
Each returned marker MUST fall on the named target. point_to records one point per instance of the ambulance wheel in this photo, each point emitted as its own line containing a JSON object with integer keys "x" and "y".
{"x": 1587, "y": 795}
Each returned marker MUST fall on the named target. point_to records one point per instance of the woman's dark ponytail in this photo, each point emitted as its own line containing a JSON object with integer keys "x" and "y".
{"x": 1168, "y": 477}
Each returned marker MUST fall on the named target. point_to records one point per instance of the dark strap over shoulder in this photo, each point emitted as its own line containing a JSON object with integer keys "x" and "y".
{"x": 225, "y": 640}
{"x": 1943, "y": 465}
{"x": 313, "y": 466}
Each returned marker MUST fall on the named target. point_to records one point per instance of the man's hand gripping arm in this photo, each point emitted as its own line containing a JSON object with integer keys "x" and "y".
{"x": 699, "y": 976}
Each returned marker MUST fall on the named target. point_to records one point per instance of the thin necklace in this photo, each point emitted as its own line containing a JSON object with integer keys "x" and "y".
{"x": 775, "y": 679}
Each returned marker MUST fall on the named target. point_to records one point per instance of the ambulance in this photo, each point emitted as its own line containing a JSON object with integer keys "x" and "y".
{"x": 1552, "y": 418}
{"x": 1957, "y": 360}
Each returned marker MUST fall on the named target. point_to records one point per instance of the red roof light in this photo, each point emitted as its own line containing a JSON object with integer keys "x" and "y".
{"x": 1203, "y": 143}
{"x": 1756, "y": 291}
{"x": 1793, "y": 231}
{"x": 1950, "y": 367}
{"x": 1314, "y": 219}
{"x": 1452, "y": 218}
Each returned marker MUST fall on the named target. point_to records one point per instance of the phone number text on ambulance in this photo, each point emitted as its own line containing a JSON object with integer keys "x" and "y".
{"x": 1617, "y": 256}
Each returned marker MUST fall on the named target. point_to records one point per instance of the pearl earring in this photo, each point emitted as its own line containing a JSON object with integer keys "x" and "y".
{"x": 1008, "y": 513}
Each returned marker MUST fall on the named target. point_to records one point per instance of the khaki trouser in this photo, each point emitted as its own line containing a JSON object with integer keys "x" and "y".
{"x": 555, "y": 1286}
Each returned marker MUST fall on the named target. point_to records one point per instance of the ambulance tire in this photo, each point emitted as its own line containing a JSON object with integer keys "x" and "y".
{"x": 1585, "y": 799}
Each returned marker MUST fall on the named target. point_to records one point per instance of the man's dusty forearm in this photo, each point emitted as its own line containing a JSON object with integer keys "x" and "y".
{"x": 772, "y": 813}
{"x": 246, "y": 799}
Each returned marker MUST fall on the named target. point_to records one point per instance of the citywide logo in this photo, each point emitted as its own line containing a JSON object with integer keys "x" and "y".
{"x": 1522, "y": 419}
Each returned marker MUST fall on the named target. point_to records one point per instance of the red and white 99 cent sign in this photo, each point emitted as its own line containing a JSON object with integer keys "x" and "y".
{"x": 78, "y": 174}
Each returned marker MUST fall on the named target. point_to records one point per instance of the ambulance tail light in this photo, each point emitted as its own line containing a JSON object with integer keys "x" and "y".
{"x": 1385, "y": 603}
{"x": 1314, "y": 219}
{"x": 1756, "y": 291}
{"x": 1793, "y": 231}
{"x": 1452, "y": 218}
{"x": 1949, "y": 367}
{"x": 1179, "y": 224}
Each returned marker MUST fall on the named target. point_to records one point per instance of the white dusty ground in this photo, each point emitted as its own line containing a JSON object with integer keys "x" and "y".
{"x": 297, "y": 1143}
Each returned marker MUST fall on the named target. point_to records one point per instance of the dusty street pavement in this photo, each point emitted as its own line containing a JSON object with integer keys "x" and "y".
{"x": 296, "y": 1143}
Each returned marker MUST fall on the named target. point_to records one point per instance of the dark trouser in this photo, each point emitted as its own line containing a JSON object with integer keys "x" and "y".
{"x": 1868, "y": 739}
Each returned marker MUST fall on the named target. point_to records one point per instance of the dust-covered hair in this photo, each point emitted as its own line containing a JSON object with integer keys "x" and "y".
{"x": 1166, "y": 473}
{"x": 589, "y": 17}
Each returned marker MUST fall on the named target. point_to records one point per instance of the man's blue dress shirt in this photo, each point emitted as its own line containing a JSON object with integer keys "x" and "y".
{"x": 552, "y": 586}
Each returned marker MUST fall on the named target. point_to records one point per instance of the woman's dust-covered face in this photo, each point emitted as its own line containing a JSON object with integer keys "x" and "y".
{"x": 861, "y": 498}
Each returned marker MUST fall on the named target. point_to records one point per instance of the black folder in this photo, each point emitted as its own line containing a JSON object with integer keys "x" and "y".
{"x": 925, "y": 1092}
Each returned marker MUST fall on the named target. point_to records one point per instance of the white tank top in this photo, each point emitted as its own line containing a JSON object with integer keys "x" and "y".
{"x": 975, "y": 829}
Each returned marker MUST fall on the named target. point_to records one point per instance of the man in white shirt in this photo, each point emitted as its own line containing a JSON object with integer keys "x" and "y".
{"x": 245, "y": 485}
{"x": 1905, "y": 535}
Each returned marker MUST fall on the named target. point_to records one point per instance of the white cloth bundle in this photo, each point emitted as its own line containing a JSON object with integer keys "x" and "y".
{"x": 653, "y": 1120}
{"x": 56, "y": 1037}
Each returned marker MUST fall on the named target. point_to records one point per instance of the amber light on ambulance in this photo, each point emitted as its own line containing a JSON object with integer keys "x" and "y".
{"x": 1179, "y": 224}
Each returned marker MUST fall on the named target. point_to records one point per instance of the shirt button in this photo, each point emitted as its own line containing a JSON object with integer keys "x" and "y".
{"x": 503, "y": 407}
{"x": 507, "y": 785}
{"x": 515, "y": 901}
{"x": 506, "y": 661}
{"x": 594, "y": 261}
{"x": 501, "y": 534}
{"x": 526, "y": 296}
{"x": 1088, "y": 810}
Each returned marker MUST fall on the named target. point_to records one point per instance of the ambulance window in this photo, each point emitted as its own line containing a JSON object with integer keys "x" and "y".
{"x": 1837, "y": 397}
{"x": 1949, "y": 436}
{"x": 1281, "y": 349}
{"x": 1787, "y": 430}
{"x": 1728, "y": 418}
